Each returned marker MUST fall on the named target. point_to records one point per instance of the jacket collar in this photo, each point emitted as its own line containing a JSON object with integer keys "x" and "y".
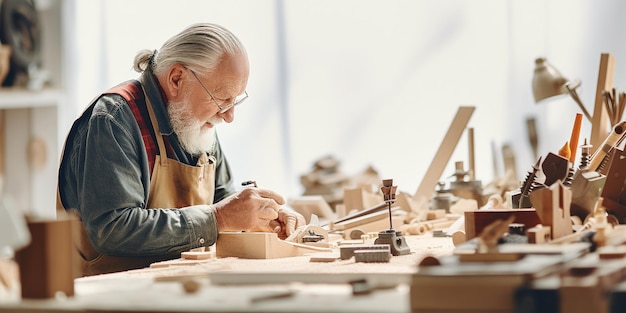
{"x": 157, "y": 98}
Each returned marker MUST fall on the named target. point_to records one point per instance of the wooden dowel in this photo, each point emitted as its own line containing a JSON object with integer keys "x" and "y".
{"x": 472, "y": 162}
{"x": 375, "y": 208}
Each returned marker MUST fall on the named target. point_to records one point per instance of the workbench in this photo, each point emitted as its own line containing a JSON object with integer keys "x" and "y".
{"x": 250, "y": 285}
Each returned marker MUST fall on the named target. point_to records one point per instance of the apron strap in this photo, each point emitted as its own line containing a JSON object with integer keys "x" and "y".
{"x": 155, "y": 126}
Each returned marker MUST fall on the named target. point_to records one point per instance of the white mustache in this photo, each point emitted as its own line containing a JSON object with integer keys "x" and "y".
{"x": 215, "y": 120}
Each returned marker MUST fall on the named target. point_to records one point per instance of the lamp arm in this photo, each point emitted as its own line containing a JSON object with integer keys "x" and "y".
{"x": 574, "y": 95}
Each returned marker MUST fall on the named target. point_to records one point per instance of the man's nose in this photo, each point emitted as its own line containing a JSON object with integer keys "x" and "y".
{"x": 228, "y": 116}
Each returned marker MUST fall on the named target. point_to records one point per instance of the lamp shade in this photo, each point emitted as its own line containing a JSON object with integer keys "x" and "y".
{"x": 547, "y": 81}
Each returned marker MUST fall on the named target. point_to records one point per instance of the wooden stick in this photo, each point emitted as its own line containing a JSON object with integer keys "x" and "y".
{"x": 608, "y": 103}
{"x": 373, "y": 209}
{"x": 361, "y": 220}
{"x": 440, "y": 161}
{"x": 614, "y": 107}
{"x": 620, "y": 106}
{"x": 599, "y": 127}
{"x": 472, "y": 163}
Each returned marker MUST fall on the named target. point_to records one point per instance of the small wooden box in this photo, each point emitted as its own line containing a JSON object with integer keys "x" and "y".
{"x": 46, "y": 264}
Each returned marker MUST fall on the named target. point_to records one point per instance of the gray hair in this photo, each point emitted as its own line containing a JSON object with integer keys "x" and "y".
{"x": 199, "y": 47}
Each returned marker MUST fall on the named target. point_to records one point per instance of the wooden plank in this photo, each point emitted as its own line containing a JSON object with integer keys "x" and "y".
{"x": 276, "y": 277}
{"x": 439, "y": 162}
{"x": 600, "y": 124}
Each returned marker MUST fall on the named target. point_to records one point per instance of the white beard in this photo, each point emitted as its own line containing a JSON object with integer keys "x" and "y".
{"x": 194, "y": 138}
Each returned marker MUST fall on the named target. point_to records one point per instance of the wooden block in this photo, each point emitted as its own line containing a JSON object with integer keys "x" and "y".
{"x": 476, "y": 221}
{"x": 197, "y": 255}
{"x": 372, "y": 256}
{"x": 313, "y": 204}
{"x": 347, "y": 252}
{"x": 259, "y": 245}
{"x": 406, "y": 202}
{"x": 358, "y": 199}
{"x": 552, "y": 206}
{"x": 46, "y": 264}
{"x": 539, "y": 234}
{"x": 324, "y": 257}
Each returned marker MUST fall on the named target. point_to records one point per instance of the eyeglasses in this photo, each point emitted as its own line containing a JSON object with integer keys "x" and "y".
{"x": 238, "y": 100}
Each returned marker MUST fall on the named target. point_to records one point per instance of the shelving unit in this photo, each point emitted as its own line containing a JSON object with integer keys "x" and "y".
{"x": 29, "y": 126}
{"x": 30, "y": 149}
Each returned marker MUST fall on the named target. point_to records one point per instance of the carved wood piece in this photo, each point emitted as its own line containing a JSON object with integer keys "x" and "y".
{"x": 553, "y": 208}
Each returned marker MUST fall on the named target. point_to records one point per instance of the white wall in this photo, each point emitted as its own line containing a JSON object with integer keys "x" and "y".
{"x": 370, "y": 82}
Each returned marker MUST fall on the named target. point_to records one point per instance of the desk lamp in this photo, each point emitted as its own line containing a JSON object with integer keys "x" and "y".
{"x": 548, "y": 83}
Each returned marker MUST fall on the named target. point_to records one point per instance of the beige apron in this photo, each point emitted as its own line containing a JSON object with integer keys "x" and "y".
{"x": 172, "y": 185}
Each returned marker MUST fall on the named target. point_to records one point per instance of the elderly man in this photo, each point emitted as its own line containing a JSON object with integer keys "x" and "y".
{"x": 143, "y": 167}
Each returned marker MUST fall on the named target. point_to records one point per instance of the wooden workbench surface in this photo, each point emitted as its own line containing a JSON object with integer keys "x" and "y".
{"x": 311, "y": 286}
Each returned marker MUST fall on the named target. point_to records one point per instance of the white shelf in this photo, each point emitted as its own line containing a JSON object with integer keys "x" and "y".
{"x": 31, "y": 124}
{"x": 21, "y": 98}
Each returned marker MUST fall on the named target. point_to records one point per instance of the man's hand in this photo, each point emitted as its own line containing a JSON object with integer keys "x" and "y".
{"x": 251, "y": 209}
{"x": 289, "y": 220}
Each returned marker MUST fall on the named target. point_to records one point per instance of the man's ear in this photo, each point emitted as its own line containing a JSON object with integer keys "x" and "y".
{"x": 174, "y": 80}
